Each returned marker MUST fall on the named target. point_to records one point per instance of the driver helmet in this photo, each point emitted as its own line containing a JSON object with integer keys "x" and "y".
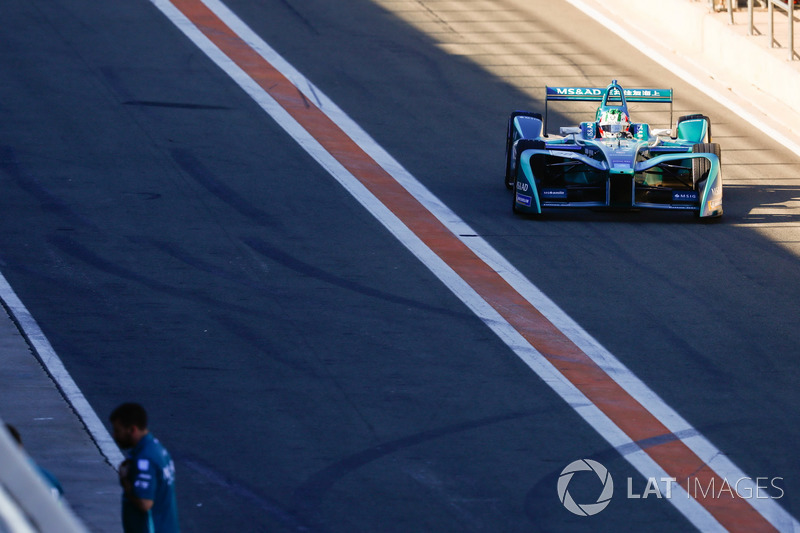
{"x": 614, "y": 122}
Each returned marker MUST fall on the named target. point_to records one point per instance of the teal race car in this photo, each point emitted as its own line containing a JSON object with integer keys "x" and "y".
{"x": 611, "y": 162}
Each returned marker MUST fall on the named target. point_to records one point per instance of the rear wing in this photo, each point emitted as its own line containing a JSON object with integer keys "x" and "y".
{"x": 594, "y": 94}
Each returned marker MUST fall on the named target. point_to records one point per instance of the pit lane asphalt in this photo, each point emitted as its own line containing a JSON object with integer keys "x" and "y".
{"x": 305, "y": 371}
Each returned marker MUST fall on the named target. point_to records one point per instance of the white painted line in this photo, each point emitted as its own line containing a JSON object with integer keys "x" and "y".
{"x": 55, "y": 367}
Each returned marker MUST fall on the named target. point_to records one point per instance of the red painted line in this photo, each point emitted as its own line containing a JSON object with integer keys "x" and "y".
{"x": 734, "y": 513}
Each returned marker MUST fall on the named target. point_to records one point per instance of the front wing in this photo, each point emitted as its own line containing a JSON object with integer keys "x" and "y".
{"x": 618, "y": 188}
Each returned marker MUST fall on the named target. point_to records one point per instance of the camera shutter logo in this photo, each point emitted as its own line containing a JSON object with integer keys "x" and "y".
{"x": 585, "y": 509}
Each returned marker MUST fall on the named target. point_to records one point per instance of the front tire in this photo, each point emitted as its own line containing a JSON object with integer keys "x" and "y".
{"x": 510, "y": 155}
{"x": 701, "y": 166}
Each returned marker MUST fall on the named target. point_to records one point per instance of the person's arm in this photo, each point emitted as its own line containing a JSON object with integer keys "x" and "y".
{"x": 142, "y": 504}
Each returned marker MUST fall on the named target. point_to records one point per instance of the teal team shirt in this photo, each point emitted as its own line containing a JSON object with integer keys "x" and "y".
{"x": 152, "y": 474}
{"x": 50, "y": 480}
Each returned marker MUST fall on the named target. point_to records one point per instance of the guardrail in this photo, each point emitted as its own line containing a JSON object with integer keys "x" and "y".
{"x": 786, "y": 6}
{"x": 789, "y": 8}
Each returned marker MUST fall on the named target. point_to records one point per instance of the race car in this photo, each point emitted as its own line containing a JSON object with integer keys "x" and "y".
{"x": 611, "y": 162}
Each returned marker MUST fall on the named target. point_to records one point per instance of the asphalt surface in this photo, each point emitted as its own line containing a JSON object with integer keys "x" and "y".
{"x": 305, "y": 371}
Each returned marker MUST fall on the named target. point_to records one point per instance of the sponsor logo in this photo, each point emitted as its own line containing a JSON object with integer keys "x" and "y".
{"x": 169, "y": 472}
{"x": 617, "y": 162}
{"x": 554, "y": 193}
{"x": 579, "y": 91}
{"x": 523, "y": 200}
{"x": 585, "y": 509}
{"x": 562, "y": 153}
{"x": 586, "y": 91}
{"x": 522, "y": 186}
{"x": 642, "y": 92}
{"x": 684, "y": 196}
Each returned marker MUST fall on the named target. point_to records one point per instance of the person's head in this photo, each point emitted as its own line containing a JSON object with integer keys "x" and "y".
{"x": 14, "y": 434}
{"x": 613, "y": 122}
{"x": 129, "y": 424}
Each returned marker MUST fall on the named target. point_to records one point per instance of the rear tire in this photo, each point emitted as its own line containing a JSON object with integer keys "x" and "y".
{"x": 695, "y": 117}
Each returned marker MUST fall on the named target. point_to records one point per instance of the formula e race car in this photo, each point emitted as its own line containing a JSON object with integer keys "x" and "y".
{"x": 612, "y": 162}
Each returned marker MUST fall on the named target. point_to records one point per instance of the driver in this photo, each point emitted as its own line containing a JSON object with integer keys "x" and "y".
{"x": 614, "y": 123}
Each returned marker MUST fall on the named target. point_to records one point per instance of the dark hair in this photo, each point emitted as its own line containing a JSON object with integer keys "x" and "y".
{"x": 14, "y": 433}
{"x": 130, "y": 414}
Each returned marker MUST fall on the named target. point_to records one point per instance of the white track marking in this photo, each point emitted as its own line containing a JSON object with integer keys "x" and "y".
{"x": 55, "y": 367}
